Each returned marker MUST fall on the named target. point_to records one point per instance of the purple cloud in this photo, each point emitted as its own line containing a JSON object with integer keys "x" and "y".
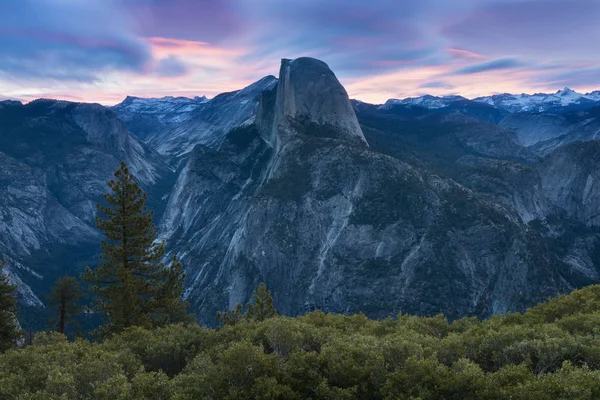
{"x": 352, "y": 37}
{"x": 213, "y": 21}
{"x": 441, "y": 42}
{"x": 589, "y": 76}
{"x": 68, "y": 40}
{"x": 545, "y": 29}
{"x": 171, "y": 66}
{"x": 503, "y": 63}
{"x": 436, "y": 85}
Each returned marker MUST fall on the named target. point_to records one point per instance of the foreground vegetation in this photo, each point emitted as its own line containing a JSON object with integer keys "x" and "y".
{"x": 550, "y": 352}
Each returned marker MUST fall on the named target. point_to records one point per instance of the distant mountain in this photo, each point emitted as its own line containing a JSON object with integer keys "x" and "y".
{"x": 427, "y": 101}
{"x": 542, "y": 166}
{"x": 544, "y": 132}
{"x": 208, "y": 124}
{"x": 173, "y": 126}
{"x": 443, "y": 106}
{"x": 562, "y": 101}
{"x": 148, "y": 117}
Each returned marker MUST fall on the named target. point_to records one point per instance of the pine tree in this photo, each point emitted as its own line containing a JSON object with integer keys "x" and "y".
{"x": 263, "y": 307}
{"x": 132, "y": 286}
{"x": 231, "y": 317}
{"x": 168, "y": 306}
{"x": 9, "y": 328}
{"x": 65, "y": 300}
{"x": 259, "y": 309}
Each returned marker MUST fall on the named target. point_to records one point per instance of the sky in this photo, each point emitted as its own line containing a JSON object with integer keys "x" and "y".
{"x": 102, "y": 50}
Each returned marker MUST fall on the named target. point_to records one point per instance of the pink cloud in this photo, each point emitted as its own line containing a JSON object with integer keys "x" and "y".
{"x": 464, "y": 54}
{"x": 165, "y": 46}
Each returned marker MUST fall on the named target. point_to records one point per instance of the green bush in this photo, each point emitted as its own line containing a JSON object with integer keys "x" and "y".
{"x": 550, "y": 352}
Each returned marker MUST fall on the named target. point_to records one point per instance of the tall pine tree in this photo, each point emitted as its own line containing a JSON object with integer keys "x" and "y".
{"x": 262, "y": 307}
{"x": 65, "y": 300}
{"x": 132, "y": 286}
{"x": 9, "y": 328}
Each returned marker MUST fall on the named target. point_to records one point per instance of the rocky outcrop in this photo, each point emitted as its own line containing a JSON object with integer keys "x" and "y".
{"x": 570, "y": 179}
{"x": 534, "y": 128}
{"x": 542, "y": 133}
{"x": 300, "y": 102}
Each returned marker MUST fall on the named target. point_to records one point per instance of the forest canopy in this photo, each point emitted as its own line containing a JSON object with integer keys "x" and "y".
{"x": 552, "y": 351}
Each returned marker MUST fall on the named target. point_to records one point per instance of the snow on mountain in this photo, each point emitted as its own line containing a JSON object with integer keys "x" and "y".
{"x": 166, "y": 109}
{"x": 174, "y": 125}
{"x": 209, "y": 123}
{"x": 149, "y": 117}
{"x": 595, "y": 95}
{"x": 427, "y": 101}
{"x": 162, "y": 105}
{"x": 563, "y": 100}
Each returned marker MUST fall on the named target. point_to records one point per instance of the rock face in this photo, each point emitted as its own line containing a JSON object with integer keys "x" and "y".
{"x": 542, "y": 133}
{"x": 208, "y": 124}
{"x": 570, "y": 180}
{"x": 300, "y": 101}
{"x": 535, "y": 128}
{"x": 329, "y": 223}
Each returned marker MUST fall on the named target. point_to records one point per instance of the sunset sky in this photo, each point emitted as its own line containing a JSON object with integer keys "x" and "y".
{"x": 103, "y": 50}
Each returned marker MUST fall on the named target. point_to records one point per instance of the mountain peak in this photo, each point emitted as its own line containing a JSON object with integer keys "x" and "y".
{"x": 11, "y": 102}
{"x": 310, "y": 95}
{"x": 565, "y": 92}
{"x": 265, "y": 83}
{"x": 129, "y": 99}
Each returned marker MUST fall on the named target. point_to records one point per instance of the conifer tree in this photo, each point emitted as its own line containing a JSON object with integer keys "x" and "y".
{"x": 259, "y": 309}
{"x": 168, "y": 306}
{"x": 131, "y": 285}
{"x": 263, "y": 307}
{"x": 65, "y": 300}
{"x": 9, "y": 328}
{"x": 231, "y": 317}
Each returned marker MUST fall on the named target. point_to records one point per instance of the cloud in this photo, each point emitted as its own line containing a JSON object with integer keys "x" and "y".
{"x": 351, "y": 37}
{"x": 67, "y": 40}
{"x": 104, "y": 49}
{"x": 588, "y": 77}
{"x": 213, "y": 21}
{"x": 503, "y": 63}
{"x": 545, "y": 29}
{"x": 464, "y": 54}
{"x": 171, "y": 66}
{"x": 436, "y": 85}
